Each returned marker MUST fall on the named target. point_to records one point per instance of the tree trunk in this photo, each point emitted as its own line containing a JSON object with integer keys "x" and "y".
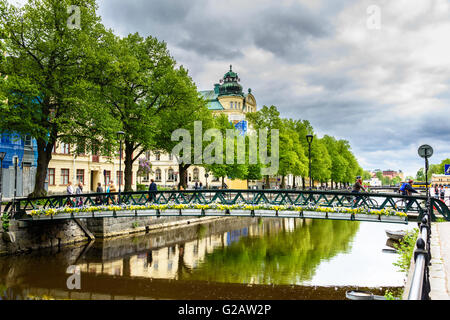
{"x": 303, "y": 183}
{"x": 44, "y": 157}
{"x": 293, "y": 182}
{"x": 266, "y": 182}
{"x": 182, "y": 168}
{"x": 283, "y": 183}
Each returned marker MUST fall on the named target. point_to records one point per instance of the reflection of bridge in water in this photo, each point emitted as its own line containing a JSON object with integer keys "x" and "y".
{"x": 266, "y": 203}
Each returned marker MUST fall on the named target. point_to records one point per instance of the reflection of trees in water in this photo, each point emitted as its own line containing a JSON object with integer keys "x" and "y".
{"x": 280, "y": 258}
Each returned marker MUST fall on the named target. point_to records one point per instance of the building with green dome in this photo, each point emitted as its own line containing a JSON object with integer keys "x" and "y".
{"x": 228, "y": 97}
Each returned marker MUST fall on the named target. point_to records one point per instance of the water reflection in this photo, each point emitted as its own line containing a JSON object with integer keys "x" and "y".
{"x": 217, "y": 260}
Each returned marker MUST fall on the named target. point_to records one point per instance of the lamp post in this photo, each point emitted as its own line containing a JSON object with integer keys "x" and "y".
{"x": 2, "y": 156}
{"x": 310, "y": 138}
{"x": 120, "y": 135}
{"x": 426, "y": 152}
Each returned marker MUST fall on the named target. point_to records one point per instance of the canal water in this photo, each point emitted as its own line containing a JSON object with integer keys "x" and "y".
{"x": 234, "y": 258}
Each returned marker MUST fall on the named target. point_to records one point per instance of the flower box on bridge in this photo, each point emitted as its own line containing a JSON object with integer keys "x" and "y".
{"x": 314, "y": 214}
{"x": 214, "y": 212}
{"x": 192, "y": 212}
{"x": 170, "y": 212}
{"x": 289, "y": 214}
{"x": 367, "y": 217}
{"x": 265, "y": 213}
{"x": 339, "y": 215}
{"x": 126, "y": 213}
{"x": 240, "y": 213}
{"x": 394, "y": 219}
{"x": 103, "y": 214}
{"x": 147, "y": 212}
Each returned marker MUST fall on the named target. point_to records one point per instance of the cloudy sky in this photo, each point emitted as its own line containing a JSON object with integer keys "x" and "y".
{"x": 375, "y": 73}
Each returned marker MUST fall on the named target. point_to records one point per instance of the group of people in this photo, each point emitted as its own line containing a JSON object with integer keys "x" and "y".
{"x": 439, "y": 192}
{"x": 109, "y": 188}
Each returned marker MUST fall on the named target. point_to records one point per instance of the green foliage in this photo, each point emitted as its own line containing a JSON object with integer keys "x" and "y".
{"x": 49, "y": 67}
{"x": 405, "y": 249}
{"x": 5, "y": 221}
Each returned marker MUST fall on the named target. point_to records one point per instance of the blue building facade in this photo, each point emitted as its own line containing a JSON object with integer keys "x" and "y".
{"x": 25, "y": 150}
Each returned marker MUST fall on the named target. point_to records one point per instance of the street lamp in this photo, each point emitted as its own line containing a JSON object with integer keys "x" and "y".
{"x": 425, "y": 151}
{"x": 120, "y": 135}
{"x": 310, "y": 138}
{"x": 2, "y": 156}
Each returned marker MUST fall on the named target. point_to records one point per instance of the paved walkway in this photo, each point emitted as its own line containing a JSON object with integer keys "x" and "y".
{"x": 440, "y": 268}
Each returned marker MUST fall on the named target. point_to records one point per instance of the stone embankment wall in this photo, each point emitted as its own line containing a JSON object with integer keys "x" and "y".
{"x": 27, "y": 236}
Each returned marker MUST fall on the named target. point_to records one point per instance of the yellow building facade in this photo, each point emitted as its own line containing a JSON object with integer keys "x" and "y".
{"x": 88, "y": 169}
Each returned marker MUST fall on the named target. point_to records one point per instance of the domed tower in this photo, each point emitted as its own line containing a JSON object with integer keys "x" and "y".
{"x": 230, "y": 84}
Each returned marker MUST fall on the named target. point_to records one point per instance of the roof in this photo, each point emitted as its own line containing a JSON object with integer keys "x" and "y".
{"x": 211, "y": 97}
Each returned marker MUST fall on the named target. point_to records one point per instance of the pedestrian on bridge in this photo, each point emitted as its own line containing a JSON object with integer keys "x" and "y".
{"x": 99, "y": 199}
{"x": 79, "y": 200}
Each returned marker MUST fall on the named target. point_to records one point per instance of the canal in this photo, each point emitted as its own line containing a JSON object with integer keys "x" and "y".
{"x": 233, "y": 258}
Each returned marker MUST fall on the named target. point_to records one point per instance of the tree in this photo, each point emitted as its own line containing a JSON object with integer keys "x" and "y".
{"x": 139, "y": 83}
{"x": 235, "y": 170}
{"x": 266, "y": 118}
{"x": 49, "y": 66}
{"x": 184, "y": 118}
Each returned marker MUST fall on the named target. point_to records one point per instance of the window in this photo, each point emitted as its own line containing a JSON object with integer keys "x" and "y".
{"x": 51, "y": 176}
{"x": 239, "y": 105}
{"x": 64, "y": 176}
{"x": 107, "y": 175}
{"x": 170, "y": 157}
{"x": 231, "y": 105}
{"x": 196, "y": 174}
{"x": 157, "y": 156}
{"x": 27, "y": 141}
{"x": 80, "y": 176}
{"x": 171, "y": 175}
{"x": 65, "y": 148}
{"x": 235, "y": 105}
{"x": 158, "y": 175}
{"x": 119, "y": 177}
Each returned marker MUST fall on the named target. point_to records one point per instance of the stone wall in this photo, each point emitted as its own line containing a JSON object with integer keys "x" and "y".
{"x": 112, "y": 227}
{"x": 27, "y": 236}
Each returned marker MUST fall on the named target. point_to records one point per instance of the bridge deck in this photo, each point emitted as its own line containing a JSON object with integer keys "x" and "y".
{"x": 241, "y": 203}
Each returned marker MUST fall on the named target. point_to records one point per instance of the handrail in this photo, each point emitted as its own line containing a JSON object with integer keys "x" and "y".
{"x": 420, "y": 283}
{"x": 326, "y": 198}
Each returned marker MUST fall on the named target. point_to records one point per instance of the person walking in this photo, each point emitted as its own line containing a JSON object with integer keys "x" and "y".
{"x": 152, "y": 188}
{"x": 99, "y": 199}
{"x": 112, "y": 189}
{"x": 70, "y": 191}
{"x": 79, "y": 200}
{"x": 442, "y": 194}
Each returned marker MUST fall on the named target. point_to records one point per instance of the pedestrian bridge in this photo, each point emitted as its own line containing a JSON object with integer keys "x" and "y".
{"x": 338, "y": 205}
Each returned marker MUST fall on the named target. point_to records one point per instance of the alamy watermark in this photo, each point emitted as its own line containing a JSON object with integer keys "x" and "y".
{"x": 74, "y": 281}
{"x": 373, "y": 21}
{"x": 74, "y": 20}
{"x": 259, "y": 146}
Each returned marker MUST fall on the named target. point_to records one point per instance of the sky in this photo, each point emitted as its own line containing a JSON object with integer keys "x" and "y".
{"x": 375, "y": 73}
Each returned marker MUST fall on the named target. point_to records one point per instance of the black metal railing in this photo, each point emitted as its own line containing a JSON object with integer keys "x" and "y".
{"x": 420, "y": 283}
{"x": 375, "y": 201}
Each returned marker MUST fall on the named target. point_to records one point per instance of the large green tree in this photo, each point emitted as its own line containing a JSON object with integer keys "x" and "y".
{"x": 142, "y": 86}
{"x": 50, "y": 60}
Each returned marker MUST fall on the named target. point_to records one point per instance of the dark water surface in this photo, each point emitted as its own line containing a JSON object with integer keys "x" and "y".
{"x": 240, "y": 258}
